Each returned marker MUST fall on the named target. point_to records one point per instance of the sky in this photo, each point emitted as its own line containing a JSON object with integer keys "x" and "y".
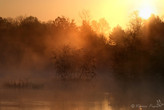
{"x": 114, "y": 11}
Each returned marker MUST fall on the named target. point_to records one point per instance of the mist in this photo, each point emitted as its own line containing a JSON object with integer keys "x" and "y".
{"x": 60, "y": 65}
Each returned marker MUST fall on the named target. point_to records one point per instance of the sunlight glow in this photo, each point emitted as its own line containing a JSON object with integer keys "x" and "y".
{"x": 145, "y": 12}
{"x": 147, "y": 8}
{"x": 116, "y": 12}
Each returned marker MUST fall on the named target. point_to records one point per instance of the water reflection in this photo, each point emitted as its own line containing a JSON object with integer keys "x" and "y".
{"x": 57, "y": 105}
{"x": 82, "y": 98}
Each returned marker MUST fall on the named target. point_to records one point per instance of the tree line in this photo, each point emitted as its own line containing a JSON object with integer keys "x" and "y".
{"x": 77, "y": 52}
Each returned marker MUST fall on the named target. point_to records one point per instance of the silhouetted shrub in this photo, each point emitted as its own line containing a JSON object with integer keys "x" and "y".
{"x": 72, "y": 64}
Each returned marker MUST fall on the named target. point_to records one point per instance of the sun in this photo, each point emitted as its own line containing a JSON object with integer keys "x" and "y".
{"x": 145, "y": 12}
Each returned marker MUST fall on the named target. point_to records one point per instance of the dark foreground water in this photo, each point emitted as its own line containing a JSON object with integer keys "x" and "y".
{"x": 51, "y": 100}
{"x": 88, "y": 96}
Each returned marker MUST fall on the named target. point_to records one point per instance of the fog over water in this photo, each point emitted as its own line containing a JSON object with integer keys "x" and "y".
{"x": 58, "y": 65}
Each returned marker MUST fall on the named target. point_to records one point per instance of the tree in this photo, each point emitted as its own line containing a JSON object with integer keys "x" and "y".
{"x": 73, "y": 64}
{"x": 135, "y": 24}
{"x": 101, "y": 27}
{"x": 118, "y": 35}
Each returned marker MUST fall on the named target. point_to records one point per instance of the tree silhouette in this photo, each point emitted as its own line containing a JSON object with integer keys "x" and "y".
{"x": 73, "y": 64}
{"x": 136, "y": 52}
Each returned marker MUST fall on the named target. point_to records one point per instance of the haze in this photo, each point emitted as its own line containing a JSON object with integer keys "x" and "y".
{"x": 114, "y": 11}
{"x": 110, "y": 57}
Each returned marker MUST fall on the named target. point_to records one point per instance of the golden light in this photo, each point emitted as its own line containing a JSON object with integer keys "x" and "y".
{"x": 145, "y": 12}
{"x": 147, "y": 8}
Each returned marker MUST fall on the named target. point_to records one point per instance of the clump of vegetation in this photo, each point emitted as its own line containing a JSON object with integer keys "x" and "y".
{"x": 73, "y": 64}
{"x": 22, "y": 84}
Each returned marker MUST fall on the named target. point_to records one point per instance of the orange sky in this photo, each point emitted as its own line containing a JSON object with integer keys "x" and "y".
{"x": 114, "y": 11}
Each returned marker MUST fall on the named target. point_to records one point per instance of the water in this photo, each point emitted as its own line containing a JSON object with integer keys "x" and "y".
{"x": 82, "y": 96}
{"x": 18, "y": 99}
{"x": 40, "y": 105}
